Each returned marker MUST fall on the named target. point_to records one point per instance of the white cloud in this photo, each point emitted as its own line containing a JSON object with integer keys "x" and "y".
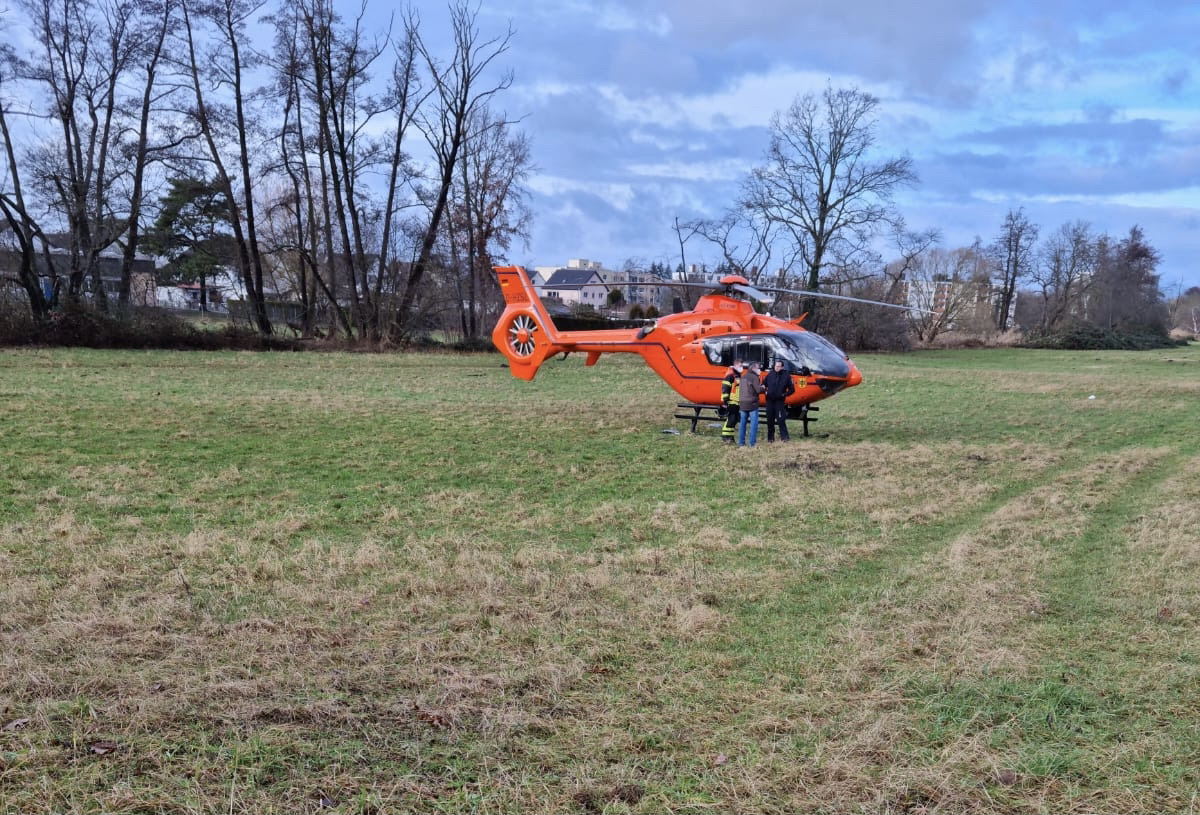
{"x": 1184, "y": 198}
{"x": 706, "y": 171}
{"x": 618, "y": 196}
{"x": 746, "y": 101}
{"x": 613, "y": 17}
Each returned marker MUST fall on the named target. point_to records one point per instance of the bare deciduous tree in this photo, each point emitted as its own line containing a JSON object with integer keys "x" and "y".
{"x": 87, "y": 52}
{"x": 128, "y": 80}
{"x": 1064, "y": 272}
{"x": 98, "y": 69}
{"x": 746, "y": 241}
{"x": 949, "y": 286}
{"x": 25, "y": 231}
{"x": 221, "y": 66}
{"x": 821, "y": 183}
{"x": 457, "y": 94}
{"x": 151, "y": 36}
{"x": 1012, "y": 257}
{"x": 1184, "y": 310}
{"x": 324, "y": 70}
{"x": 296, "y": 220}
{"x": 490, "y": 209}
{"x": 406, "y": 95}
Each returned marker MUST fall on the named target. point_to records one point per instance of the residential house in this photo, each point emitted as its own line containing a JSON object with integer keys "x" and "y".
{"x": 53, "y": 274}
{"x": 576, "y": 287}
{"x": 636, "y": 286}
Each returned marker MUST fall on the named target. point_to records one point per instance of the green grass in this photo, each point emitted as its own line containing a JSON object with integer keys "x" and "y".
{"x": 362, "y": 583}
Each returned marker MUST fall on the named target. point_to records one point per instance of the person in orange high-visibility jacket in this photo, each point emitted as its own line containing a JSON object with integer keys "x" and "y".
{"x": 729, "y": 401}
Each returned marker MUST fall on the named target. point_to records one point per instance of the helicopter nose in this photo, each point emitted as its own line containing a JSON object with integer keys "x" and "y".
{"x": 855, "y": 376}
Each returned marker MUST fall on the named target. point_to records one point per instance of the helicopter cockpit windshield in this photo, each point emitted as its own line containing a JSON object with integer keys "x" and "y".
{"x": 802, "y": 352}
{"x": 804, "y": 349}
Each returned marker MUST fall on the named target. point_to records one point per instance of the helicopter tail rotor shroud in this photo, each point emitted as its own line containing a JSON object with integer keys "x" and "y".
{"x": 525, "y": 334}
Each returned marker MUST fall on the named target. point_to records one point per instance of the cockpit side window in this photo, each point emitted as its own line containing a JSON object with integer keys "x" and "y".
{"x": 756, "y": 350}
{"x": 781, "y": 351}
{"x": 801, "y": 352}
{"x": 723, "y": 351}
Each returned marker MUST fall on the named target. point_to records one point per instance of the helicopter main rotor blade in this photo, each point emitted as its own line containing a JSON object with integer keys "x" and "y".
{"x": 724, "y": 288}
{"x": 807, "y": 293}
{"x": 684, "y": 284}
{"x": 753, "y": 293}
{"x": 763, "y": 297}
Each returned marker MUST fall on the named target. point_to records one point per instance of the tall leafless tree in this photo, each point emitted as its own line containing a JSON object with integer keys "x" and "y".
{"x": 151, "y": 36}
{"x": 117, "y": 101}
{"x": 821, "y": 182}
{"x": 1013, "y": 257}
{"x": 98, "y": 69}
{"x": 23, "y": 226}
{"x": 220, "y": 96}
{"x": 489, "y": 209}
{"x": 86, "y": 52}
{"x": 406, "y": 95}
{"x": 340, "y": 60}
{"x": 323, "y": 67}
{"x": 296, "y": 219}
{"x": 459, "y": 89}
{"x": 1064, "y": 272}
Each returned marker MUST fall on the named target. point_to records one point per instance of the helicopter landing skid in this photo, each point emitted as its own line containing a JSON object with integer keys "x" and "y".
{"x": 711, "y": 413}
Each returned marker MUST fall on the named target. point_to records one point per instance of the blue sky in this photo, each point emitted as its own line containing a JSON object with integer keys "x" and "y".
{"x": 641, "y": 111}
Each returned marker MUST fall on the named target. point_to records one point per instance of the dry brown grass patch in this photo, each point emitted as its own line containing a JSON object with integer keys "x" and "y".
{"x": 991, "y": 574}
{"x": 1167, "y": 542}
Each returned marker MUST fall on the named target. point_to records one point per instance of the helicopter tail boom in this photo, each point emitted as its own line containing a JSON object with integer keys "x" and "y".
{"x": 527, "y": 336}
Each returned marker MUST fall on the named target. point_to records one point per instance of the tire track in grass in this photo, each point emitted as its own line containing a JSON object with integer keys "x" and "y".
{"x": 1129, "y": 593}
{"x": 963, "y": 603}
{"x": 1159, "y": 565}
{"x": 941, "y": 659}
{"x": 1141, "y": 553}
{"x": 989, "y": 581}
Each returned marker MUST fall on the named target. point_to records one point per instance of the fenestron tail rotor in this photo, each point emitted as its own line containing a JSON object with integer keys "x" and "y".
{"x": 522, "y": 335}
{"x": 525, "y": 334}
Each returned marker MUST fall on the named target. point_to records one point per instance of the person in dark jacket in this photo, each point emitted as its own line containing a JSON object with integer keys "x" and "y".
{"x": 779, "y": 387}
{"x": 749, "y": 389}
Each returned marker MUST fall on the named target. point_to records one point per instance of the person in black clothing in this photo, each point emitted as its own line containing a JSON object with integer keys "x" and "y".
{"x": 779, "y": 386}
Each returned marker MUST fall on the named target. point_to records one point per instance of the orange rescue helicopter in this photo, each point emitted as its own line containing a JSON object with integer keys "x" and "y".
{"x": 691, "y": 350}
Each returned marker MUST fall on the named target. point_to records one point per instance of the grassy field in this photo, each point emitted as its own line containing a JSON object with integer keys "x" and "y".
{"x": 366, "y": 583}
